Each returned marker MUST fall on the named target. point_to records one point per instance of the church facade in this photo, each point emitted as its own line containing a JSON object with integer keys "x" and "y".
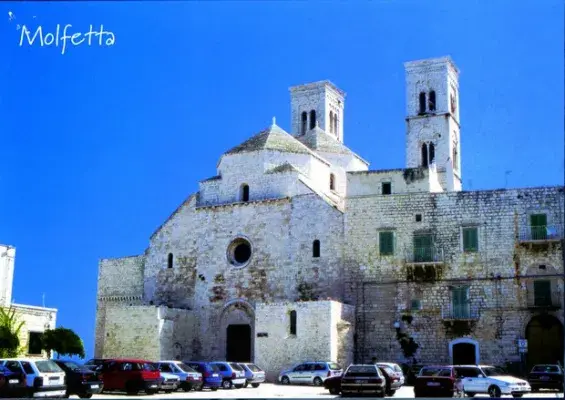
{"x": 297, "y": 251}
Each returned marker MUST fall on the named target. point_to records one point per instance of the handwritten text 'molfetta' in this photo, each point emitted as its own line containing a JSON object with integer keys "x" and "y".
{"x": 101, "y": 37}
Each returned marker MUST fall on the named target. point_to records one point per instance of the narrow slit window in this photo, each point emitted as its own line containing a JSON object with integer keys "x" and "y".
{"x": 316, "y": 249}
{"x": 312, "y": 119}
{"x": 422, "y": 102}
{"x": 424, "y": 155}
{"x": 170, "y": 260}
{"x": 293, "y": 322}
{"x": 304, "y": 122}
{"x": 432, "y": 101}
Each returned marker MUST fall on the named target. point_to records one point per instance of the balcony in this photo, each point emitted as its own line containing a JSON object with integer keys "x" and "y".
{"x": 544, "y": 235}
{"x": 459, "y": 313}
{"x": 459, "y": 320}
{"x": 424, "y": 264}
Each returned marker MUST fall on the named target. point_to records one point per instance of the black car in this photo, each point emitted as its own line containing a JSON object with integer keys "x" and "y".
{"x": 80, "y": 379}
{"x": 95, "y": 363}
{"x": 546, "y": 376}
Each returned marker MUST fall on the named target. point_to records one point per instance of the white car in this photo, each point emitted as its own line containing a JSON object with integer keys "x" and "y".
{"x": 170, "y": 383}
{"x": 486, "y": 379}
{"x": 44, "y": 377}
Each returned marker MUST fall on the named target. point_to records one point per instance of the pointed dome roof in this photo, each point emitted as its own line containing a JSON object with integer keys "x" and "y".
{"x": 273, "y": 138}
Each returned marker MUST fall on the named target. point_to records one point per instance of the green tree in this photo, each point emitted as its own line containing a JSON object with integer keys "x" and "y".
{"x": 10, "y": 328}
{"x": 63, "y": 341}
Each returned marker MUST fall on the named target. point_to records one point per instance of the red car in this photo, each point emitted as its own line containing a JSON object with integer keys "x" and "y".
{"x": 130, "y": 375}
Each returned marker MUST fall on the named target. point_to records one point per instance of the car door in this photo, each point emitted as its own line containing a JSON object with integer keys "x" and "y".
{"x": 468, "y": 378}
{"x": 295, "y": 375}
{"x": 110, "y": 375}
{"x": 482, "y": 381}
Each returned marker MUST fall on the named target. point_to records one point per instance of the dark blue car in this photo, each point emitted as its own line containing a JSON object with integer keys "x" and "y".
{"x": 15, "y": 384}
{"x": 211, "y": 377}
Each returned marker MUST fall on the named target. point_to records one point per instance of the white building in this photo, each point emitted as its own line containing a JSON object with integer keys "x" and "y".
{"x": 36, "y": 319}
{"x": 380, "y": 257}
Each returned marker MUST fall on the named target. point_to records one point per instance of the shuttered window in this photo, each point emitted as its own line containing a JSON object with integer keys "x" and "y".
{"x": 470, "y": 240}
{"x": 386, "y": 243}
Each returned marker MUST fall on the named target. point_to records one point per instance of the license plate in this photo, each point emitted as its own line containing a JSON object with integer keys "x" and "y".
{"x": 433, "y": 383}
{"x": 544, "y": 378}
{"x": 360, "y": 381}
{"x": 13, "y": 381}
{"x": 215, "y": 375}
{"x": 94, "y": 386}
{"x": 153, "y": 386}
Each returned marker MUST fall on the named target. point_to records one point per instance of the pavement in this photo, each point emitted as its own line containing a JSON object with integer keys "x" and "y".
{"x": 269, "y": 390}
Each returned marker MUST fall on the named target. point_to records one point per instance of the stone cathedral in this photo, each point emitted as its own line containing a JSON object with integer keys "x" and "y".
{"x": 296, "y": 250}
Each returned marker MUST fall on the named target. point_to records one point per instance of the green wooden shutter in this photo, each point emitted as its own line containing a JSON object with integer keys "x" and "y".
{"x": 460, "y": 302}
{"x": 538, "y": 228}
{"x": 386, "y": 245}
{"x": 423, "y": 248}
{"x": 542, "y": 293}
{"x": 470, "y": 239}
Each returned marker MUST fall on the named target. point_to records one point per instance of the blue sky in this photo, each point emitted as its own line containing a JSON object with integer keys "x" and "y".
{"x": 101, "y": 144}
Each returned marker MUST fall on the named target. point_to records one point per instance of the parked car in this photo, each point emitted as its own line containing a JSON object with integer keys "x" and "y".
{"x": 44, "y": 378}
{"x": 333, "y": 384}
{"x": 546, "y": 376}
{"x": 396, "y": 369}
{"x": 81, "y": 380}
{"x": 254, "y": 375}
{"x": 310, "y": 373}
{"x": 169, "y": 382}
{"x": 437, "y": 381}
{"x": 392, "y": 381}
{"x": 232, "y": 374}
{"x": 494, "y": 381}
{"x": 188, "y": 377}
{"x": 12, "y": 383}
{"x": 363, "y": 378}
{"x": 211, "y": 377}
{"x": 131, "y": 375}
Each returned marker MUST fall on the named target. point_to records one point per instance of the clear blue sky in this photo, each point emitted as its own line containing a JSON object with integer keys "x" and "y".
{"x": 100, "y": 145}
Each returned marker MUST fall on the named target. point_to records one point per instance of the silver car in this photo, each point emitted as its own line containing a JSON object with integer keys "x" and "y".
{"x": 309, "y": 373}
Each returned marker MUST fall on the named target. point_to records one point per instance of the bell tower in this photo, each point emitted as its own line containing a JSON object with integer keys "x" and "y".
{"x": 432, "y": 120}
{"x": 319, "y": 103}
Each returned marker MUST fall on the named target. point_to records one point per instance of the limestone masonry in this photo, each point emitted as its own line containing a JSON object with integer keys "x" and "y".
{"x": 296, "y": 251}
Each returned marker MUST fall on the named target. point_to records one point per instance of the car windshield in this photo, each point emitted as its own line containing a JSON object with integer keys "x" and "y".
{"x": 546, "y": 368}
{"x": 494, "y": 371}
{"x": 73, "y": 366}
{"x": 397, "y": 368}
{"x": 253, "y": 368}
{"x": 334, "y": 366}
{"x": 362, "y": 370}
{"x": 47, "y": 366}
{"x": 185, "y": 368}
{"x": 435, "y": 371}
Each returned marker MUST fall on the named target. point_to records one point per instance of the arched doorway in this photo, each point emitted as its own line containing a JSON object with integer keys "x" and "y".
{"x": 545, "y": 340}
{"x": 464, "y": 351}
{"x": 237, "y": 322}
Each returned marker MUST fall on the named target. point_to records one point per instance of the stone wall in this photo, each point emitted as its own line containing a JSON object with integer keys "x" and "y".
{"x": 316, "y": 339}
{"x": 381, "y": 286}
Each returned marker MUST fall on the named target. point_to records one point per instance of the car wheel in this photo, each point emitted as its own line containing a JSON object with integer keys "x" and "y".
{"x": 469, "y": 394}
{"x": 168, "y": 391}
{"x": 381, "y": 394}
{"x": 150, "y": 392}
{"x": 255, "y": 385}
{"x": 227, "y": 384}
{"x": 516, "y": 396}
{"x": 390, "y": 392}
{"x": 85, "y": 395}
{"x": 494, "y": 391}
{"x": 285, "y": 380}
{"x": 318, "y": 381}
{"x": 213, "y": 389}
{"x": 239, "y": 386}
{"x": 334, "y": 391}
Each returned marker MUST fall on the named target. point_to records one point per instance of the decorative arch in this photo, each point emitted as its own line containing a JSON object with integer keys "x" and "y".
{"x": 244, "y": 192}
{"x": 544, "y": 333}
{"x": 312, "y": 119}
{"x": 468, "y": 342}
{"x": 240, "y": 313}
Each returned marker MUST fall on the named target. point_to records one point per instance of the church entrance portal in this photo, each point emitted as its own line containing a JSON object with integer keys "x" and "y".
{"x": 238, "y": 343}
{"x": 545, "y": 340}
{"x": 464, "y": 354}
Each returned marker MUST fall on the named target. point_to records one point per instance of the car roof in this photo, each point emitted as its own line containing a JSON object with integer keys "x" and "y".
{"x": 134, "y": 360}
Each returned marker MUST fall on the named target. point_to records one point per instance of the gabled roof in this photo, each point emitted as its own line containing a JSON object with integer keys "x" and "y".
{"x": 276, "y": 139}
{"x": 318, "y": 140}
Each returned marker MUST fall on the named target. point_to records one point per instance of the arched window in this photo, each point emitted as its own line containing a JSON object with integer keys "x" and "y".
{"x": 312, "y": 119}
{"x": 432, "y": 101}
{"x": 331, "y": 122}
{"x": 422, "y": 102}
{"x": 170, "y": 260}
{"x": 424, "y": 155}
{"x": 304, "y": 122}
{"x": 432, "y": 153}
{"x": 244, "y": 192}
{"x": 335, "y": 124}
{"x": 332, "y": 182}
{"x": 316, "y": 248}
{"x": 293, "y": 322}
